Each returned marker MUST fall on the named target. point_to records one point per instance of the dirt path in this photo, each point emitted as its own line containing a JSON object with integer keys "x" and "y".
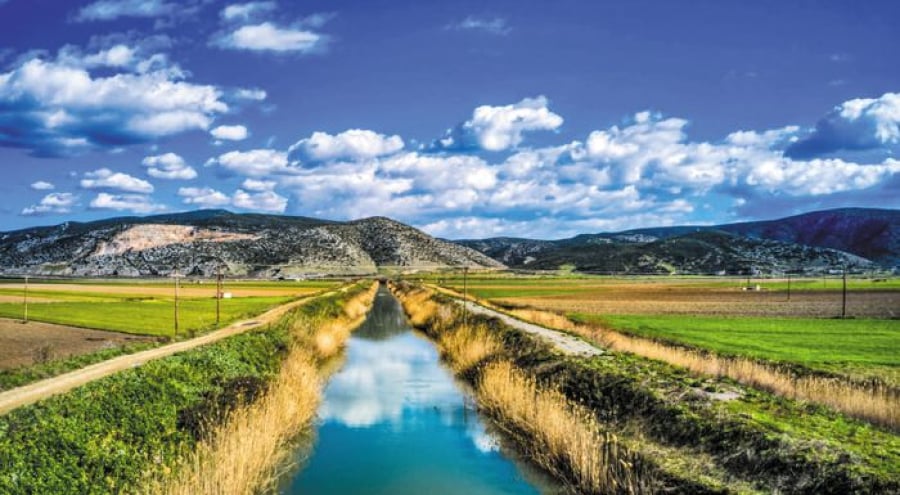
{"x": 34, "y": 392}
{"x": 562, "y": 341}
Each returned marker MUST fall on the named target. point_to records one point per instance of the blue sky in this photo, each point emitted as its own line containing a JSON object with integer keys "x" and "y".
{"x": 466, "y": 119}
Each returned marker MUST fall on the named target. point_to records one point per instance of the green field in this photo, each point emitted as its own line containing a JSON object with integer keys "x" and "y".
{"x": 828, "y": 345}
{"x": 145, "y": 317}
{"x": 523, "y": 286}
{"x": 146, "y": 307}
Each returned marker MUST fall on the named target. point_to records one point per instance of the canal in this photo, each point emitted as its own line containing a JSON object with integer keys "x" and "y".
{"x": 394, "y": 421}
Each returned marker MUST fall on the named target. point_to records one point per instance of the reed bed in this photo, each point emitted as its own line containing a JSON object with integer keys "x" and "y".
{"x": 875, "y": 403}
{"x": 243, "y": 455}
{"x": 563, "y": 437}
{"x": 557, "y": 434}
{"x": 468, "y": 346}
{"x": 331, "y": 336}
{"x": 250, "y": 451}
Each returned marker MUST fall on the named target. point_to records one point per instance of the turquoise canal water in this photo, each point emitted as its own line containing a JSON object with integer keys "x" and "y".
{"x": 394, "y": 421}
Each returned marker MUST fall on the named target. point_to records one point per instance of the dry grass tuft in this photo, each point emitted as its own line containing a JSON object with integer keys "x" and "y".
{"x": 419, "y": 306}
{"x": 468, "y": 346}
{"x": 565, "y": 437}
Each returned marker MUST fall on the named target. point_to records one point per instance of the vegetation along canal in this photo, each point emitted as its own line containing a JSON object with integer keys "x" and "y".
{"x": 394, "y": 420}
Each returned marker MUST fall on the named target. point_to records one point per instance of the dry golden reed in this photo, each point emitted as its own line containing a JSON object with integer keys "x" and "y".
{"x": 565, "y": 437}
{"x": 249, "y": 451}
{"x": 242, "y": 455}
{"x": 876, "y": 404}
{"x": 419, "y": 306}
{"x": 468, "y": 346}
{"x": 331, "y": 336}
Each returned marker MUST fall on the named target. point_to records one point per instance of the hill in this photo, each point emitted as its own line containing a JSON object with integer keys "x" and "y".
{"x": 197, "y": 243}
{"x": 857, "y": 237}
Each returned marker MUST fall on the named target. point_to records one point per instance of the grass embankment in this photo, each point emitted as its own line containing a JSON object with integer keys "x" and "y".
{"x": 247, "y": 452}
{"x": 862, "y": 386}
{"x": 876, "y": 401}
{"x": 702, "y": 434}
{"x": 554, "y": 432}
{"x": 114, "y": 434}
{"x": 865, "y": 348}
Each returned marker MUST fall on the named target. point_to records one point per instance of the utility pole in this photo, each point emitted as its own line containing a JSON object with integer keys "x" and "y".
{"x": 175, "y": 276}
{"x": 789, "y": 286}
{"x": 25, "y": 298}
{"x": 466, "y": 296}
{"x": 844, "y": 295}
{"x": 218, "y": 292}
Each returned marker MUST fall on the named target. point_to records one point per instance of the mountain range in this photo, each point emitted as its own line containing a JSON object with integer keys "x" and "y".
{"x": 860, "y": 238}
{"x": 273, "y": 246}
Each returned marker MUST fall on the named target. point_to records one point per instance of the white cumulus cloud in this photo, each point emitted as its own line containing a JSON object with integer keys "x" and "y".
{"x": 268, "y": 37}
{"x": 353, "y": 144}
{"x": 857, "y": 124}
{"x": 268, "y": 201}
{"x": 58, "y": 109}
{"x": 135, "y": 203}
{"x": 169, "y": 166}
{"x": 246, "y": 11}
{"x": 254, "y": 163}
{"x": 204, "y": 197}
{"x": 258, "y": 185}
{"x": 108, "y": 10}
{"x": 497, "y": 128}
{"x": 53, "y": 203}
{"x": 260, "y": 197}
{"x": 42, "y": 185}
{"x": 229, "y": 132}
{"x": 105, "y": 178}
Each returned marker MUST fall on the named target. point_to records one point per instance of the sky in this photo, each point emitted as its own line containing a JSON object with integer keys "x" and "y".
{"x": 467, "y": 119}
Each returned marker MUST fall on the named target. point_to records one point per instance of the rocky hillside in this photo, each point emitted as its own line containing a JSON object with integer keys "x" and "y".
{"x": 196, "y": 243}
{"x": 856, "y": 237}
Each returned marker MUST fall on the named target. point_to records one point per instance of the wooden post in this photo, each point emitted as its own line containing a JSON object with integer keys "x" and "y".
{"x": 844, "y": 294}
{"x": 789, "y": 286}
{"x": 25, "y": 298}
{"x": 175, "y": 276}
{"x": 466, "y": 296}
{"x": 218, "y": 293}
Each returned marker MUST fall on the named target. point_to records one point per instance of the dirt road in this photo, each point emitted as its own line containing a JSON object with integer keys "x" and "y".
{"x": 562, "y": 341}
{"x": 29, "y": 394}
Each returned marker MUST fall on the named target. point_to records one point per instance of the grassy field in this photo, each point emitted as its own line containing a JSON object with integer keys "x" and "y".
{"x": 713, "y": 313}
{"x": 146, "y": 308}
{"x": 145, "y": 317}
{"x": 829, "y": 345}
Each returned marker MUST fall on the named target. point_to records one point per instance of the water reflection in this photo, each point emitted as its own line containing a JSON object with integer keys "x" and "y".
{"x": 394, "y": 421}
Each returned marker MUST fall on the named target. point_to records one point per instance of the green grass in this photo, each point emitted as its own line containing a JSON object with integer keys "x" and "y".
{"x": 60, "y": 295}
{"x": 107, "y": 436}
{"x": 145, "y": 317}
{"x": 829, "y": 345}
{"x": 512, "y": 286}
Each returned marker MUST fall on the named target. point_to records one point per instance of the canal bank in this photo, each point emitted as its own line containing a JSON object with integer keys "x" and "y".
{"x": 394, "y": 420}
